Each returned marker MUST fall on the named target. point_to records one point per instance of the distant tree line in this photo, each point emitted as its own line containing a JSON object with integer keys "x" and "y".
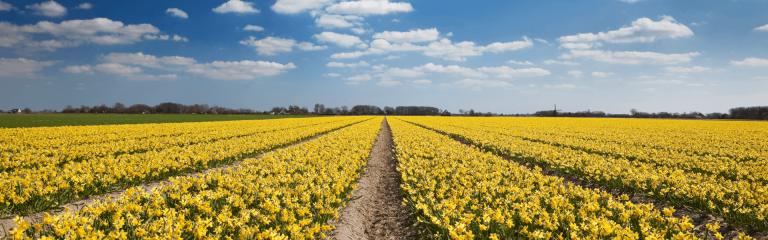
{"x": 757, "y": 113}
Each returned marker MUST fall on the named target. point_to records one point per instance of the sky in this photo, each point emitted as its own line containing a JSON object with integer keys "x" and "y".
{"x": 490, "y": 56}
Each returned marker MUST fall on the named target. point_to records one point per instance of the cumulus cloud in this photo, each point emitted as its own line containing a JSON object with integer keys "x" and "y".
{"x": 391, "y": 57}
{"x": 338, "y": 21}
{"x": 358, "y": 30}
{"x": 541, "y": 40}
{"x": 357, "y": 79}
{"x": 117, "y": 68}
{"x": 4, "y": 6}
{"x": 440, "y": 49}
{"x": 642, "y": 30}
{"x": 631, "y": 57}
{"x": 180, "y": 38}
{"x": 575, "y": 73}
{"x": 453, "y": 69}
{"x": 85, "y": 69}
{"x": 751, "y": 62}
{"x": 369, "y": 7}
{"x": 74, "y": 33}
{"x": 549, "y": 62}
{"x": 147, "y": 60}
{"x": 629, "y": 1}
{"x": 686, "y": 70}
{"x": 343, "y": 40}
{"x": 253, "y": 28}
{"x": 399, "y": 72}
{"x": 581, "y": 45}
{"x": 85, "y": 5}
{"x": 350, "y": 65}
{"x": 520, "y": 63}
{"x": 236, "y": 6}
{"x": 273, "y": 45}
{"x": 387, "y": 82}
{"x": 245, "y": 69}
{"x": 332, "y": 74}
{"x": 177, "y": 13}
{"x": 661, "y": 81}
{"x": 476, "y": 84}
{"x": 763, "y": 28}
{"x": 507, "y": 72}
{"x": 298, "y": 6}
{"x": 417, "y": 35}
{"x": 48, "y": 9}
{"x": 422, "y": 81}
{"x": 21, "y": 67}
{"x": 602, "y": 74}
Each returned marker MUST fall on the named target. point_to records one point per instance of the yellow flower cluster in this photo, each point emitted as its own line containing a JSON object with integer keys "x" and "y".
{"x": 461, "y": 192}
{"x": 710, "y": 171}
{"x": 29, "y": 190}
{"x": 286, "y": 194}
{"x": 34, "y": 147}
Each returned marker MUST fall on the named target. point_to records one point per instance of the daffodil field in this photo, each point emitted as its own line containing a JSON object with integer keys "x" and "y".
{"x": 461, "y": 192}
{"x": 290, "y": 193}
{"x": 49, "y": 166}
{"x": 709, "y": 166}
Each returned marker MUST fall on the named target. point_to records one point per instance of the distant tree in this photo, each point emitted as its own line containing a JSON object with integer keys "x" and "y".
{"x": 26, "y": 110}
{"x": 84, "y": 109}
{"x": 344, "y": 110}
{"x": 471, "y": 112}
{"x": 389, "y": 110}
{"x": 118, "y": 108}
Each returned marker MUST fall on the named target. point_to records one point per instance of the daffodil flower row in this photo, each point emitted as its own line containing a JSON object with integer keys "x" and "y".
{"x": 462, "y": 192}
{"x": 37, "y": 189}
{"x": 290, "y": 193}
{"x": 742, "y": 202}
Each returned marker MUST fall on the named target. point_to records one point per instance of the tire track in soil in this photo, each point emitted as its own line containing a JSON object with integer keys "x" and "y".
{"x": 378, "y": 213}
{"x": 700, "y": 219}
{"x": 7, "y": 224}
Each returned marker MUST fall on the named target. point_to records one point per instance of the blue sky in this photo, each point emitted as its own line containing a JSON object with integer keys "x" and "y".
{"x": 497, "y": 56}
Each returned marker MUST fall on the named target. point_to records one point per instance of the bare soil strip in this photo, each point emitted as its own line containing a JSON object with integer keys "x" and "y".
{"x": 7, "y": 224}
{"x": 379, "y": 212}
{"x": 700, "y": 219}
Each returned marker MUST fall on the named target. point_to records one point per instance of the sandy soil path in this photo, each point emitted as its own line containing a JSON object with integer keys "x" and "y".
{"x": 379, "y": 213}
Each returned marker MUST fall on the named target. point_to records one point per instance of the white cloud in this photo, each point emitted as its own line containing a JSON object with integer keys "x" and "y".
{"x": 650, "y": 89}
{"x": 631, "y": 57}
{"x": 85, "y": 69}
{"x": 391, "y": 57}
{"x": 575, "y": 73}
{"x": 454, "y": 69}
{"x": 117, "y": 68}
{"x": 395, "y": 20}
{"x": 507, "y": 72}
{"x": 333, "y": 74}
{"x": 339, "y": 21}
{"x": 541, "y": 40}
{"x": 343, "y": 40}
{"x": 151, "y": 77}
{"x": 664, "y": 82}
{"x": 443, "y": 48}
{"x": 561, "y": 86}
{"x": 751, "y": 62}
{"x": 476, "y": 84}
{"x": 350, "y": 65}
{"x": 358, "y": 78}
{"x": 253, "y": 28}
{"x": 549, "y": 62}
{"x": 358, "y": 30}
{"x": 180, "y": 38}
{"x": 386, "y": 82}
{"x": 21, "y": 67}
{"x": 245, "y": 69}
{"x": 298, "y": 6}
{"x": 698, "y": 24}
{"x": 686, "y": 70}
{"x": 177, "y": 13}
{"x": 418, "y": 35}
{"x": 580, "y": 45}
{"x": 642, "y": 30}
{"x": 147, "y": 60}
{"x": 629, "y": 1}
{"x": 236, "y": 6}
{"x": 366, "y": 7}
{"x": 73, "y": 33}
{"x": 273, "y": 45}
{"x": 399, "y": 72}
{"x": 422, "y": 81}
{"x": 48, "y": 9}
{"x": 4, "y": 6}
{"x": 85, "y": 5}
{"x": 520, "y": 63}
{"x": 763, "y": 28}
{"x": 602, "y": 74}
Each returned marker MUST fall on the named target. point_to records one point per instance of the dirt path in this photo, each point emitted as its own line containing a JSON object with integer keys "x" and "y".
{"x": 379, "y": 213}
{"x": 7, "y": 223}
{"x": 700, "y": 219}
